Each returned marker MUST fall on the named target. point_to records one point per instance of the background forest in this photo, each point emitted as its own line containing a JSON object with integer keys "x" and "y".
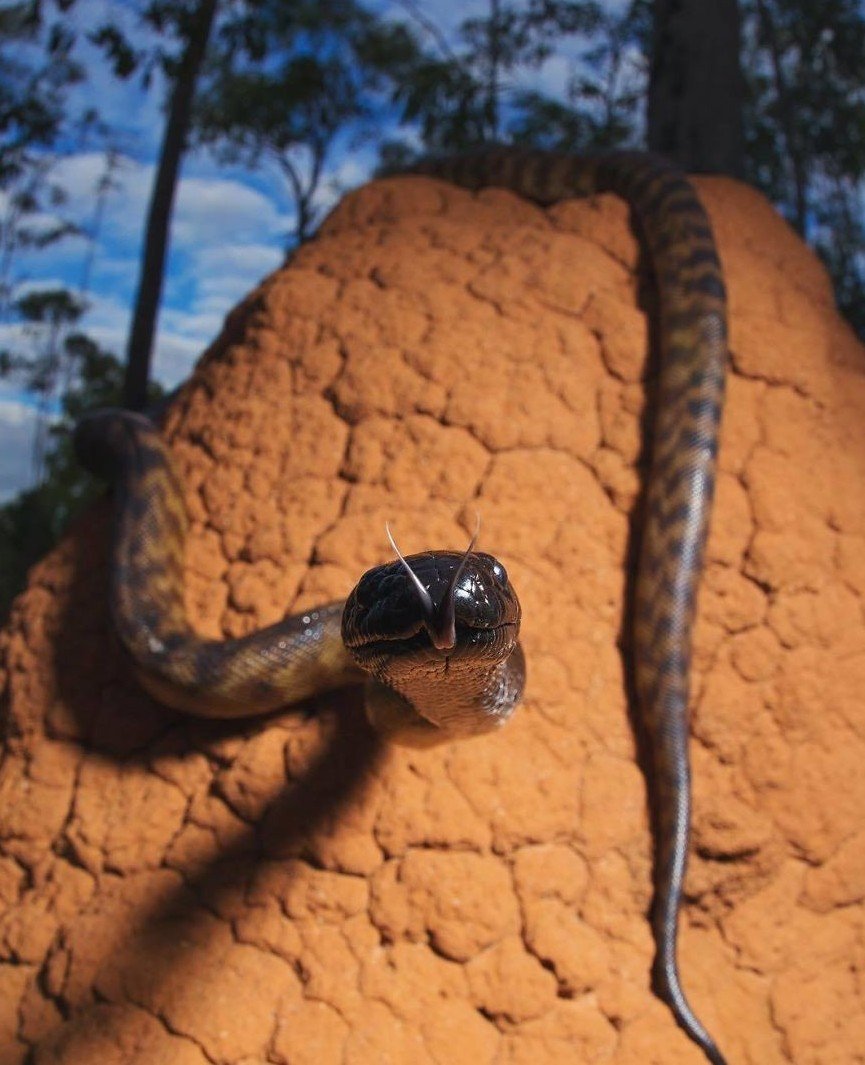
{"x": 285, "y": 105}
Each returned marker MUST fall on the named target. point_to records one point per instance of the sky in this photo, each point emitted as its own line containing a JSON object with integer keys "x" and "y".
{"x": 229, "y": 225}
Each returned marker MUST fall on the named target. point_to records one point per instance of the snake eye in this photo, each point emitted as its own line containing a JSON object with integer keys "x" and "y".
{"x": 500, "y": 573}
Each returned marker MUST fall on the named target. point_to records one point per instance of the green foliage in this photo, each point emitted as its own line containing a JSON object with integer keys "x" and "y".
{"x": 36, "y": 69}
{"x": 172, "y": 23}
{"x": 32, "y": 522}
{"x": 805, "y": 127}
{"x": 804, "y": 120}
{"x": 123, "y": 57}
{"x": 473, "y": 91}
{"x": 45, "y": 368}
{"x": 284, "y": 81}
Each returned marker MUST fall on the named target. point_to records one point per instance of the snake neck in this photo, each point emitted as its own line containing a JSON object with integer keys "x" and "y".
{"x": 294, "y": 659}
{"x": 457, "y": 696}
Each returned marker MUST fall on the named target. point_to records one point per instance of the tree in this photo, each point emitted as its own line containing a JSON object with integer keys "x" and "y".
{"x": 250, "y": 110}
{"x": 469, "y": 92}
{"x": 36, "y": 69}
{"x": 33, "y": 521}
{"x": 47, "y": 315}
{"x": 602, "y": 99}
{"x": 695, "y": 95}
{"x": 285, "y": 84}
{"x": 805, "y": 128}
{"x": 192, "y": 25}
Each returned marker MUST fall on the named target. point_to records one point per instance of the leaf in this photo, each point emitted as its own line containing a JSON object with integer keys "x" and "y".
{"x": 123, "y": 57}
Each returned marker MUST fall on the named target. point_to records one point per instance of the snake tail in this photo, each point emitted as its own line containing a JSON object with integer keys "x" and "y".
{"x": 681, "y": 480}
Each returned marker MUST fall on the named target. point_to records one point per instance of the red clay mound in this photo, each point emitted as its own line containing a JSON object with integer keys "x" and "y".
{"x": 287, "y": 891}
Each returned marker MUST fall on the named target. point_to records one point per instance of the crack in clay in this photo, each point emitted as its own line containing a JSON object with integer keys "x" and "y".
{"x": 178, "y": 1034}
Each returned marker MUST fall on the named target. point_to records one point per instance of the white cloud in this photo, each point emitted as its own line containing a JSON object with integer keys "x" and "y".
{"x": 136, "y": 118}
{"x": 17, "y": 425}
{"x": 216, "y": 209}
{"x": 189, "y": 327}
{"x": 80, "y": 175}
{"x": 226, "y": 274}
{"x": 226, "y": 237}
{"x": 552, "y": 78}
{"x": 352, "y": 170}
{"x": 253, "y": 260}
{"x": 180, "y": 339}
{"x": 207, "y": 209}
{"x": 175, "y": 356}
{"x": 446, "y": 15}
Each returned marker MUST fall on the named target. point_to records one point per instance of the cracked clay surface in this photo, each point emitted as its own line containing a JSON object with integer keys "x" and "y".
{"x": 287, "y": 891}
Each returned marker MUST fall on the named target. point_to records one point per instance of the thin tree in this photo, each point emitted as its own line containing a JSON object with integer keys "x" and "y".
{"x": 34, "y": 117}
{"x": 140, "y": 345}
{"x": 47, "y": 316}
{"x": 468, "y": 92}
{"x": 805, "y": 128}
{"x": 282, "y": 90}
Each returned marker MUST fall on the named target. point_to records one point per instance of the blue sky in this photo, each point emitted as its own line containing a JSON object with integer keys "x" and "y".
{"x": 228, "y": 231}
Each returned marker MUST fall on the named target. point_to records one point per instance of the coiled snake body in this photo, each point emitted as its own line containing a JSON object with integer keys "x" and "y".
{"x": 435, "y": 635}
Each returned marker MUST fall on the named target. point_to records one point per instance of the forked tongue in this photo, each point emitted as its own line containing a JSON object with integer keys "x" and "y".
{"x": 439, "y": 622}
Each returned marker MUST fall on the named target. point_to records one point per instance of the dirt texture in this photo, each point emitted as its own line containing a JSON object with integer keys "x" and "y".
{"x": 286, "y": 890}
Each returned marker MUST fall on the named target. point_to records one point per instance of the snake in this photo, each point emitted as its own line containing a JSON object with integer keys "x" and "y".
{"x": 435, "y": 636}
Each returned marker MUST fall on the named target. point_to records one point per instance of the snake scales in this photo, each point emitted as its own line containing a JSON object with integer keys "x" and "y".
{"x": 435, "y": 635}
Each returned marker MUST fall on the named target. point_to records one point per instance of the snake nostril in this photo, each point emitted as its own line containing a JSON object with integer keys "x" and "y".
{"x": 442, "y": 633}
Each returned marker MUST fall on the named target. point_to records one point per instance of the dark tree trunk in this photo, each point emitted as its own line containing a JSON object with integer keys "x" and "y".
{"x": 695, "y": 85}
{"x": 140, "y": 346}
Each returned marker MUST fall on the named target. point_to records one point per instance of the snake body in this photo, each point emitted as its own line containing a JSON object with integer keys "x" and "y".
{"x": 680, "y": 488}
{"x": 466, "y": 680}
{"x": 422, "y": 682}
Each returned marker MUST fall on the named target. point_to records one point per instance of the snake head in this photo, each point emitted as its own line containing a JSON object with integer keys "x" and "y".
{"x": 429, "y": 606}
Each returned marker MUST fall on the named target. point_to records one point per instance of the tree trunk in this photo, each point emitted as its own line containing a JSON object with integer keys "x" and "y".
{"x": 695, "y": 85}
{"x": 140, "y": 345}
